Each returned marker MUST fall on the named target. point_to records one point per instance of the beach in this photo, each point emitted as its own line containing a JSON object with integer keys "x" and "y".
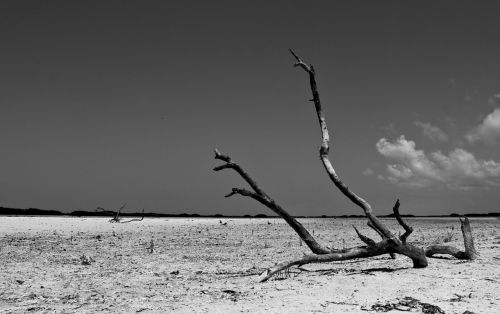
{"x": 212, "y": 265}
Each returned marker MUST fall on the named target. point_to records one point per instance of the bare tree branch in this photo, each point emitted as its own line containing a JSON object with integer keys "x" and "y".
{"x": 135, "y": 219}
{"x": 470, "y": 252}
{"x": 408, "y": 229}
{"x": 116, "y": 218}
{"x": 242, "y": 192}
{"x": 230, "y": 165}
{"x": 222, "y": 157}
{"x": 470, "y": 249}
{"x": 347, "y": 254}
{"x": 324, "y": 150}
{"x": 390, "y": 244}
{"x": 365, "y": 239}
{"x": 267, "y": 201}
{"x": 369, "y": 223}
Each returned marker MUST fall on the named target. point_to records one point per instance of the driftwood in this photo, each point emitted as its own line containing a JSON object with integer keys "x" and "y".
{"x": 117, "y": 219}
{"x": 390, "y": 243}
{"x": 470, "y": 252}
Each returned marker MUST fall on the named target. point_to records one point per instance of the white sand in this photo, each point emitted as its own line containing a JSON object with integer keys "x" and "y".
{"x": 218, "y": 267}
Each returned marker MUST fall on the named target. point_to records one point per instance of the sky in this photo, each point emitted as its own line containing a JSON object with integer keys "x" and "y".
{"x": 107, "y": 102}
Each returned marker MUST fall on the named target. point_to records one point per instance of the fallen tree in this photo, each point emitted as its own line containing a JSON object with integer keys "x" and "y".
{"x": 389, "y": 244}
{"x": 116, "y": 215}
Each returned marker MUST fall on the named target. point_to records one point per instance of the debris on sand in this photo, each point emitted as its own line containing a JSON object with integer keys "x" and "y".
{"x": 233, "y": 295}
{"x": 459, "y": 298}
{"x": 151, "y": 247}
{"x": 86, "y": 260}
{"x": 406, "y": 304}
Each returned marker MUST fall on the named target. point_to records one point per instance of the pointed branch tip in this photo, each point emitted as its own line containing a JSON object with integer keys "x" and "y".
{"x": 364, "y": 238}
{"x": 295, "y": 56}
{"x": 220, "y": 156}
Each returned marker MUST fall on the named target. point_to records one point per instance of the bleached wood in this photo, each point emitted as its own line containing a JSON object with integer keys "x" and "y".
{"x": 390, "y": 244}
{"x": 259, "y": 195}
{"x": 469, "y": 253}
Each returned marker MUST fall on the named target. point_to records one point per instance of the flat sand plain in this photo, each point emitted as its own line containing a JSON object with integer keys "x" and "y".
{"x": 200, "y": 265}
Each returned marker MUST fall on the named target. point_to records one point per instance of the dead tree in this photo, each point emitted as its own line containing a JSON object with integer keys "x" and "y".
{"x": 470, "y": 252}
{"x": 390, "y": 243}
{"x": 117, "y": 219}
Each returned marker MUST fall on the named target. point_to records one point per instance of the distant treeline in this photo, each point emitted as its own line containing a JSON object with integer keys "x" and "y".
{"x": 29, "y": 211}
{"x": 5, "y": 211}
{"x": 80, "y": 213}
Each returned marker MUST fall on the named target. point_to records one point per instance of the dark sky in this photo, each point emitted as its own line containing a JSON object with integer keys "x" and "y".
{"x": 106, "y": 102}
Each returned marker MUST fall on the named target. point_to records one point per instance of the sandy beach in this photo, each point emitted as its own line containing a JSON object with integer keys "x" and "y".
{"x": 203, "y": 266}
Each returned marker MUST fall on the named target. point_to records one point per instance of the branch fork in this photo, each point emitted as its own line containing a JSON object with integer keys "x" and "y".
{"x": 389, "y": 244}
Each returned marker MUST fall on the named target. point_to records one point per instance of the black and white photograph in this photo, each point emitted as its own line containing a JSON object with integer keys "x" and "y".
{"x": 276, "y": 156}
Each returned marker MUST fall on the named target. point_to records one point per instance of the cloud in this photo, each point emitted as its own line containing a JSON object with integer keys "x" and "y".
{"x": 432, "y": 132}
{"x": 494, "y": 99}
{"x": 415, "y": 169}
{"x": 488, "y": 131}
{"x": 404, "y": 176}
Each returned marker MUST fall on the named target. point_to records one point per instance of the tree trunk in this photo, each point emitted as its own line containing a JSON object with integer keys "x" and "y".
{"x": 390, "y": 243}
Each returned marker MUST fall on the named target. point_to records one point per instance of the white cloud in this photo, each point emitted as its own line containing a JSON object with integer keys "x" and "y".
{"x": 488, "y": 131}
{"x": 404, "y": 152}
{"x": 404, "y": 176}
{"x": 432, "y": 132}
{"x": 414, "y": 168}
